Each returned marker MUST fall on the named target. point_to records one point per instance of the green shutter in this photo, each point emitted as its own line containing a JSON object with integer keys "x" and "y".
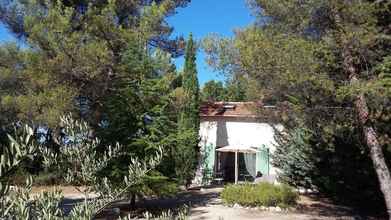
{"x": 209, "y": 162}
{"x": 263, "y": 160}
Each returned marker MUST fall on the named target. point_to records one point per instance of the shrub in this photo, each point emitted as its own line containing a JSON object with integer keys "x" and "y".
{"x": 263, "y": 194}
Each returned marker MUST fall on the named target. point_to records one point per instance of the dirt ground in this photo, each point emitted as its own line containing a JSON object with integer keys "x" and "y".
{"x": 308, "y": 209}
{"x": 205, "y": 204}
{"x": 66, "y": 190}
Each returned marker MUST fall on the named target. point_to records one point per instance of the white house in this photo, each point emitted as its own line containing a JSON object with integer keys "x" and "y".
{"x": 235, "y": 125}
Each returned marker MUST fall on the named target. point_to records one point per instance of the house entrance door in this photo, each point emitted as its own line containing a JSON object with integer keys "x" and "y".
{"x": 225, "y": 165}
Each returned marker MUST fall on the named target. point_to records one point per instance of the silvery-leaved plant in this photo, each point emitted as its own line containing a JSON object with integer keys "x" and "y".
{"x": 181, "y": 214}
{"x": 11, "y": 157}
{"x": 78, "y": 152}
{"x": 21, "y": 203}
{"x": 13, "y": 154}
{"x": 18, "y": 202}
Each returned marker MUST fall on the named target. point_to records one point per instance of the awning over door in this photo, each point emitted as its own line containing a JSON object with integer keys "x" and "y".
{"x": 239, "y": 149}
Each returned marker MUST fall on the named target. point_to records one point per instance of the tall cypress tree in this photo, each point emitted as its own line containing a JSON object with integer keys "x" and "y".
{"x": 188, "y": 122}
{"x": 189, "y": 118}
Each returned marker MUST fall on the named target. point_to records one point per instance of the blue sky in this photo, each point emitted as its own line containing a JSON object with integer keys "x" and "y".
{"x": 5, "y": 35}
{"x": 200, "y": 17}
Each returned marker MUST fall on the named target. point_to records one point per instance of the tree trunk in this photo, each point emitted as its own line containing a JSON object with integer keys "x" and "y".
{"x": 375, "y": 149}
{"x": 132, "y": 203}
{"x": 361, "y": 107}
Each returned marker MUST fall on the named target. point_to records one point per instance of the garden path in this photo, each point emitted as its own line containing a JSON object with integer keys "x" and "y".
{"x": 205, "y": 204}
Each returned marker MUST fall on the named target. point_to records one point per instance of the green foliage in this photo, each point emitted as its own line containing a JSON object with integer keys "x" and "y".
{"x": 185, "y": 153}
{"x": 154, "y": 184}
{"x": 263, "y": 194}
{"x": 108, "y": 63}
{"x": 21, "y": 204}
{"x": 296, "y": 54}
{"x": 237, "y": 89}
{"x": 181, "y": 214}
{"x": 148, "y": 15}
{"x": 294, "y": 157}
{"x": 12, "y": 155}
{"x": 189, "y": 118}
{"x": 159, "y": 185}
{"x": 277, "y": 62}
{"x": 78, "y": 151}
{"x": 78, "y": 51}
{"x": 213, "y": 91}
{"x": 140, "y": 117}
{"x": 234, "y": 90}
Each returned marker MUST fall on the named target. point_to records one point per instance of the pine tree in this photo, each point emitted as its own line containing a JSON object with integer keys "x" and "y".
{"x": 320, "y": 56}
{"x": 92, "y": 61}
{"x": 350, "y": 29}
{"x": 75, "y": 54}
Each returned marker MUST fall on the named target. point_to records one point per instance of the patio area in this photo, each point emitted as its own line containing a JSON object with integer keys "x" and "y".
{"x": 236, "y": 164}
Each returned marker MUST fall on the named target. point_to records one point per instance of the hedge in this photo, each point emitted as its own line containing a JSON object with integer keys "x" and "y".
{"x": 263, "y": 194}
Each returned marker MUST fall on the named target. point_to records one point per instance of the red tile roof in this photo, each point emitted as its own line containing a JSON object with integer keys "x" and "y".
{"x": 231, "y": 109}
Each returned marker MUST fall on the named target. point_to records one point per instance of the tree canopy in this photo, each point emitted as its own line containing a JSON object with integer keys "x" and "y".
{"x": 108, "y": 63}
{"x": 305, "y": 54}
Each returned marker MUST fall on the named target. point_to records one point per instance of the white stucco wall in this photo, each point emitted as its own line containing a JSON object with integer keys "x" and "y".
{"x": 221, "y": 131}
{"x": 253, "y": 134}
{"x": 208, "y": 135}
{"x": 208, "y": 132}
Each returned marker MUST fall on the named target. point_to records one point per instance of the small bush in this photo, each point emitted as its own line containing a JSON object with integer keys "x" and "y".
{"x": 263, "y": 194}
